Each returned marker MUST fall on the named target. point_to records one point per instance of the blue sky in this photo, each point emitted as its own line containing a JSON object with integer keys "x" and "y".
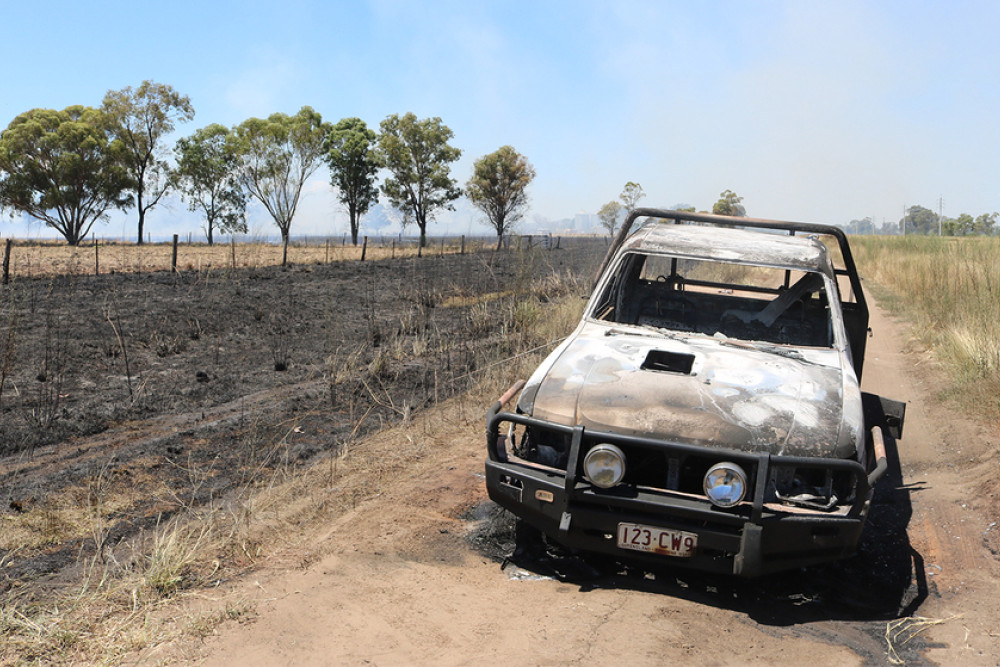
{"x": 816, "y": 111}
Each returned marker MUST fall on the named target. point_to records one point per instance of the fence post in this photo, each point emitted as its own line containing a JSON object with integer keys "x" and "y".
{"x": 364, "y": 249}
{"x": 173, "y": 258}
{"x": 394, "y": 248}
{"x": 97, "y": 258}
{"x": 6, "y": 261}
{"x": 463, "y": 244}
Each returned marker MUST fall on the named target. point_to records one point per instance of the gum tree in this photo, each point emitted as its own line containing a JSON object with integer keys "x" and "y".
{"x": 278, "y": 155}
{"x": 207, "y": 176}
{"x": 498, "y": 188}
{"x": 417, "y": 155}
{"x": 630, "y": 196}
{"x": 141, "y": 119}
{"x": 609, "y": 215}
{"x": 63, "y": 168}
{"x": 350, "y": 154}
{"x": 729, "y": 204}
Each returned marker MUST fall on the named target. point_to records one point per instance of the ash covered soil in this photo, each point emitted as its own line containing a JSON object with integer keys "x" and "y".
{"x": 168, "y": 390}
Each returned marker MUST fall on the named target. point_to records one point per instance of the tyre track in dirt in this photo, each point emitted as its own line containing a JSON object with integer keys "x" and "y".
{"x": 945, "y": 458}
{"x": 128, "y": 440}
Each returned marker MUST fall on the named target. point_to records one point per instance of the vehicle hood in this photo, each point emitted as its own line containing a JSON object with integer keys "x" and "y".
{"x": 782, "y": 400}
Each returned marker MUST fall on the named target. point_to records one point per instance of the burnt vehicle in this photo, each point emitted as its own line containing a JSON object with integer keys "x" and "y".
{"x": 707, "y": 410}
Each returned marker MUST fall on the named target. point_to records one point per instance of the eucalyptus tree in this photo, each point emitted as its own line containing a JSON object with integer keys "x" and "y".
{"x": 609, "y": 214}
{"x": 417, "y": 155}
{"x": 499, "y": 188}
{"x": 63, "y": 168}
{"x": 350, "y": 154}
{"x": 142, "y": 118}
{"x": 278, "y": 155}
{"x": 630, "y": 196}
{"x": 207, "y": 176}
{"x": 729, "y": 204}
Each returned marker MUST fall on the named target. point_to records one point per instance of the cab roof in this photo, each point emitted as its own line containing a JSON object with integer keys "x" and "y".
{"x": 727, "y": 244}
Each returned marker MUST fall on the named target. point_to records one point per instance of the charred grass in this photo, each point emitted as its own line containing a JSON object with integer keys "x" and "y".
{"x": 163, "y": 433}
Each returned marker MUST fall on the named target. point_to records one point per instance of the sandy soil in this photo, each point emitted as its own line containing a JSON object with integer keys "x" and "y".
{"x": 395, "y": 581}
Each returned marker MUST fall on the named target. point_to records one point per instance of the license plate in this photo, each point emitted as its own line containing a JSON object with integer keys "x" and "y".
{"x": 656, "y": 540}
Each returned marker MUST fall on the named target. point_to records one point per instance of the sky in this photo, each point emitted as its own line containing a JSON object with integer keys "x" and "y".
{"x": 811, "y": 111}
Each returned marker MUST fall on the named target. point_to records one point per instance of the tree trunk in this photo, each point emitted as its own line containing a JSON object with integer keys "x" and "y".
{"x": 499, "y": 241}
{"x": 142, "y": 222}
{"x": 284, "y": 251}
{"x": 210, "y": 233}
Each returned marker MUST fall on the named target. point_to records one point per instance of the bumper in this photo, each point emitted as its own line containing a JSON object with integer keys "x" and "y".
{"x": 751, "y": 539}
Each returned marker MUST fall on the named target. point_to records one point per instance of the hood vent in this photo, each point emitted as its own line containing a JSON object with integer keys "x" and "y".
{"x": 671, "y": 362}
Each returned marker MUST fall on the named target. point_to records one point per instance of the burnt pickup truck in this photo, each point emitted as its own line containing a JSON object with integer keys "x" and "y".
{"x": 707, "y": 411}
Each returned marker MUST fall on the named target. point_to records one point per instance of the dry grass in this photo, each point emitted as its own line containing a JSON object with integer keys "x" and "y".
{"x": 901, "y": 630}
{"x": 44, "y": 259}
{"x": 949, "y": 288}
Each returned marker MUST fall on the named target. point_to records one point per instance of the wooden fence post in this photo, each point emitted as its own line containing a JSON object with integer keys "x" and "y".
{"x": 463, "y": 244}
{"x": 6, "y": 261}
{"x": 173, "y": 258}
{"x": 97, "y": 258}
{"x": 364, "y": 249}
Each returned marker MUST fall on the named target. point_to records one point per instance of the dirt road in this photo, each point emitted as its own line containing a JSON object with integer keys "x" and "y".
{"x": 395, "y": 581}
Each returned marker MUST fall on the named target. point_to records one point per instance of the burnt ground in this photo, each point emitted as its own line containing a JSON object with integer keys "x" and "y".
{"x": 166, "y": 391}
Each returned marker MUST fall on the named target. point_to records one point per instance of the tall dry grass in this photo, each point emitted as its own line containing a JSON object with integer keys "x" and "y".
{"x": 949, "y": 288}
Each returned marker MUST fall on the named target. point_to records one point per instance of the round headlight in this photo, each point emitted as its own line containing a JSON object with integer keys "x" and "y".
{"x": 725, "y": 484}
{"x": 604, "y": 466}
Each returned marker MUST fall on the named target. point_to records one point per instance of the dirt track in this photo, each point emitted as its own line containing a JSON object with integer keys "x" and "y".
{"x": 395, "y": 581}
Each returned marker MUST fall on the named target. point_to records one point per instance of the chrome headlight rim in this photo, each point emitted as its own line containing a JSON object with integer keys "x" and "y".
{"x": 724, "y": 474}
{"x": 596, "y": 462}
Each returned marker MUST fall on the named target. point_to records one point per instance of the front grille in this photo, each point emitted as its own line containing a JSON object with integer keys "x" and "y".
{"x": 663, "y": 466}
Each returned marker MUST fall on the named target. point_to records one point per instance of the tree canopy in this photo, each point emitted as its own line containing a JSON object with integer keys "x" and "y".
{"x": 207, "y": 176}
{"x": 609, "y": 214}
{"x": 418, "y": 157}
{"x": 966, "y": 225}
{"x": 919, "y": 220}
{"x": 278, "y": 155}
{"x": 498, "y": 187}
{"x": 63, "y": 168}
{"x": 141, "y": 118}
{"x": 350, "y": 154}
{"x": 729, "y": 204}
{"x": 630, "y": 196}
